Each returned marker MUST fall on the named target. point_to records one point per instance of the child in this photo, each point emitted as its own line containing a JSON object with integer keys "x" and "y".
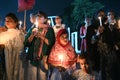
{"x": 86, "y": 72}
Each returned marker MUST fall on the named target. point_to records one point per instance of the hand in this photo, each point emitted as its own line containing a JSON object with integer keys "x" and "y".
{"x": 40, "y": 36}
{"x": 100, "y": 29}
{"x": 31, "y": 37}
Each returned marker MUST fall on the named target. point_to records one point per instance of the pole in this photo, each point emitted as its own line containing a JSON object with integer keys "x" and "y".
{"x": 25, "y": 20}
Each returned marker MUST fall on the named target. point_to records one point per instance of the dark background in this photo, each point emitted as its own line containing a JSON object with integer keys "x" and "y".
{"x": 50, "y": 7}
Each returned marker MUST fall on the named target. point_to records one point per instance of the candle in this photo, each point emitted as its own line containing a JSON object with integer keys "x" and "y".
{"x": 48, "y": 21}
{"x": 61, "y": 58}
{"x": 100, "y": 20}
{"x": 36, "y": 24}
{"x": 20, "y": 24}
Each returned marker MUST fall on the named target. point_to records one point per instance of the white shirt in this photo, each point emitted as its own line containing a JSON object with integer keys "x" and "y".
{"x": 58, "y": 27}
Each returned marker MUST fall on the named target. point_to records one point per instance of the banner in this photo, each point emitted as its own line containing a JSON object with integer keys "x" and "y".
{"x": 25, "y": 5}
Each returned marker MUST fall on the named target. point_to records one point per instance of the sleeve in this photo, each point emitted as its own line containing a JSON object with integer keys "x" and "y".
{"x": 26, "y": 42}
{"x": 51, "y": 39}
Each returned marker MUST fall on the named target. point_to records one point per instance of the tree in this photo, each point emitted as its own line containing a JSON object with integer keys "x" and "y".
{"x": 74, "y": 15}
{"x": 82, "y": 9}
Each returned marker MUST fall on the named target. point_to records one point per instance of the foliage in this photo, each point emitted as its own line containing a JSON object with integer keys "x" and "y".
{"x": 79, "y": 9}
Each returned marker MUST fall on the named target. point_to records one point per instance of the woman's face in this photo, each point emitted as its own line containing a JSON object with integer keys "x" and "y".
{"x": 10, "y": 23}
{"x": 64, "y": 39}
{"x": 58, "y": 20}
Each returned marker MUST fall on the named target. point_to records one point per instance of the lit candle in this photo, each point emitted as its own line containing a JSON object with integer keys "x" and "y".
{"x": 36, "y": 24}
{"x": 20, "y": 24}
{"x": 48, "y": 21}
{"x": 100, "y": 20}
{"x": 61, "y": 58}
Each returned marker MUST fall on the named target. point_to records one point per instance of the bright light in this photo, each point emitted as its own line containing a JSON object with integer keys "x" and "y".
{"x": 36, "y": 24}
{"x": 100, "y": 20}
{"x": 48, "y": 21}
{"x": 61, "y": 57}
{"x": 20, "y": 24}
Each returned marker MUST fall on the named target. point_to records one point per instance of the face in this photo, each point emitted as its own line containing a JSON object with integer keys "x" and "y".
{"x": 40, "y": 19}
{"x": 32, "y": 19}
{"x": 10, "y": 23}
{"x": 110, "y": 16}
{"x": 84, "y": 65}
{"x": 58, "y": 20}
{"x": 64, "y": 39}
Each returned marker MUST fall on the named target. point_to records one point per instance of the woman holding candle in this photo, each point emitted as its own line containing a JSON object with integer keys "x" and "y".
{"x": 62, "y": 55}
{"x": 39, "y": 41}
{"x": 13, "y": 40}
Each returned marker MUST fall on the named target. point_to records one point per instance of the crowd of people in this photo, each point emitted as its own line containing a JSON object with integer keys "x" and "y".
{"x": 48, "y": 52}
{"x": 101, "y": 40}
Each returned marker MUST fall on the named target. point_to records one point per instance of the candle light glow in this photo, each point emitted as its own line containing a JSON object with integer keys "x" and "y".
{"x": 61, "y": 57}
{"x": 20, "y": 24}
{"x": 100, "y": 20}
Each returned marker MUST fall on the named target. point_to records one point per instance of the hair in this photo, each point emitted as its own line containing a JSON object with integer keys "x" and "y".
{"x": 13, "y": 16}
{"x": 58, "y": 16}
{"x": 32, "y": 14}
{"x": 84, "y": 56}
{"x": 113, "y": 13}
{"x": 40, "y": 13}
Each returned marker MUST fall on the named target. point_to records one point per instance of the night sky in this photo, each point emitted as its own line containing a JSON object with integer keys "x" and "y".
{"x": 50, "y": 7}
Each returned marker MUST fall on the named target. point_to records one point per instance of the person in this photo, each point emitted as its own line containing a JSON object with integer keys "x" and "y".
{"x": 39, "y": 41}
{"x": 62, "y": 58}
{"x": 83, "y": 31}
{"x": 92, "y": 44}
{"x": 118, "y": 33}
{"x": 32, "y": 19}
{"x": 85, "y": 72}
{"x": 13, "y": 40}
{"x": 58, "y": 26}
{"x": 111, "y": 17}
{"x": 117, "y": 48}
{"x": 106, "y": 41}
{"x": 26, "y": 62}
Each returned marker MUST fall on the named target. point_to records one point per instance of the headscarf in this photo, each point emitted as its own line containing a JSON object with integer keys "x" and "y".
{"x": 66, "y": 52}
{"x": 62, "y": 31}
